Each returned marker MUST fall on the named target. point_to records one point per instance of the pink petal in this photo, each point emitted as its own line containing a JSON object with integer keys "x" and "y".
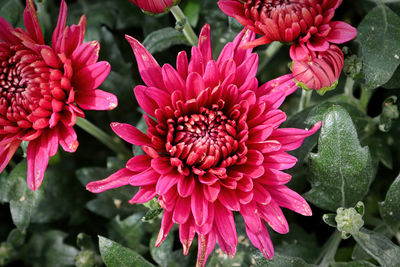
{"x": 341, "y": 32}
{"x": 205, "y": 43}
{"x": 173, "y": 81}
{"x": 139, "y": 163}
{"x": 59, "y": 30}
{"x": 86, "y": 54}
{"x": 274, "y": 216}
{"x": 67, "y": 138}
{"x": 205, "y": 247}
{"x": 298, "y": 51}
{"x": 225, "y": 224}
{"x": 5, "y": 32}
{"x": 162, "y": 165}
{"x": 262, "y": 241}
{"x": 130, "y": 134}
{"x": 186, "y": 186}
{"x": 229, "y": 199}
{"x": 199, "y": 205}
{"x": 166, "y": 181}
{"x": 92, "y": 76}
{"x": 182, "y": 210}
{"x": 292, "y": 138}
{"x": 149, "y": 69}
{"x": 6, "y": 153}
{"x": 147, "y": 177}
{"x": 145, "y": 101}
{"x": 287, "y": 198}
{"x": 31, "y": 22}
{"x": 38, "y": 157}
{"x": 186, "y": 234}
{"x": 231, "y": 8}
{"x": 211, "y": 192}
{"x": 316, "y": 43}
{"x": 96, "y": 100}
{"x": 145, "y": 194}
{"x": 166, "y": 225}
{"x": 117, "y": 179}
{"x": 194, "y": 85}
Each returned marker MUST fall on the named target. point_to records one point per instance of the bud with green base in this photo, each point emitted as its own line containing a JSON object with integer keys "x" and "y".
{"x": 153, "y": 7}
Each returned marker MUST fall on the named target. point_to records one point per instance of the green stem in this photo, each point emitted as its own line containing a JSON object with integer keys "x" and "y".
{"x": 348, "y": 87}
{"x": 366, "y": 95}
{"x": 305, "y": 99}
{"x": 187, "y": 30}
{"x": 329, "y": 251}
{"x": 104, "y": 138}
{"x": 269, "y": 53}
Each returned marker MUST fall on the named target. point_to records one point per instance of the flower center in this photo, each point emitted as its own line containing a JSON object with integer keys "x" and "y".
{"x": 203, "y": 140}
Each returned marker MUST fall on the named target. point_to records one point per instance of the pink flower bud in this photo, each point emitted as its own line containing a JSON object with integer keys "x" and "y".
{"x": 155, "y": 6}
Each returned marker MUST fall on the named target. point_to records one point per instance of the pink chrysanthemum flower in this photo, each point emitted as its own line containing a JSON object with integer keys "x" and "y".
{"x": 213, "y": 148}
{"x": 305, "y": 21}
{"x": 319, "y": 70}
{"x": 43, "y": 88}
{"x": 155, "y": 6}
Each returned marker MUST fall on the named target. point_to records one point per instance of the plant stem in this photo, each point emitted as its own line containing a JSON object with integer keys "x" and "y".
{"x": 104, "y": 138}
{"x": 305, "y": 99}
{"x": 329, "y": 251}
{"x": 187, "y": 30}
{"x": 348, "y": 87}
{"x": 366, "y": 95}
{"x": 269, "y": 53}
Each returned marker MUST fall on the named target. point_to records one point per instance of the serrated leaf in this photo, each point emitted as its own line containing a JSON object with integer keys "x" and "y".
{"x": 390, "y": 208}
{"x": 379, "y": 35}
{"x": 115, "y": 255}
{"x": 379, "y": 247}
{"x": 23, "y": 201}
{"x": 163, "y": 39}
{"x": 280, "y": 260}
{"x": 342, "y": 170}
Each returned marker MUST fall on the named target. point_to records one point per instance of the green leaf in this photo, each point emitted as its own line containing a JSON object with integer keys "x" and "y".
{"x": 353, "y": 264}
{"x": 162, "y": 254}
{"x": 47, "y": 249}
{"x": 163, "y": 39}
{"x": 390, "y": 208}
{"x": 11, "y": 10}
{"x": 23, "y": 201}
{"x": 379, "y": 35}
{"x": 129, "y": 232}
{"x": 115, "y": 255}
{"x": 280, "y": 260}
{"x": 379, "y": 247}
{"x": 191, "y": 9}
{"x": 342, "y": 170}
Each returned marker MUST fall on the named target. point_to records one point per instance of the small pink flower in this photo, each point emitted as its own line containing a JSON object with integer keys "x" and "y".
{"x": 308, "y": 21}
{"x": 155, "y": 6}
{"x": 318, "y": 70}
{"x": 43, "y": 89}
{"x": 213, "y": 147}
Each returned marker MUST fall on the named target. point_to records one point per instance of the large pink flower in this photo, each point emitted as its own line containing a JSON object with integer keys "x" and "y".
{"x": 155, "y": 6}
{"x": 43, "y": 88}
{"x": 307, "y": 21}
{"x": 213, "y": 148}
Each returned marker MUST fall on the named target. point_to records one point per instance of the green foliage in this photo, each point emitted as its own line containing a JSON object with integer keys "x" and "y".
{"x": 341, "y": 171}
{"x": 390, "y": 208}
{"x": 115, "y": 255}
{"x": 163, "y": 39}
{"x": 379, "y": 35}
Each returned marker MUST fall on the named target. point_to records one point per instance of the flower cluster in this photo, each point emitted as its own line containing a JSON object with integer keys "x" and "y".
{"x": 307, "y": 23}
{"x": 213, "y": 148}
{"x": 43, "y": 89}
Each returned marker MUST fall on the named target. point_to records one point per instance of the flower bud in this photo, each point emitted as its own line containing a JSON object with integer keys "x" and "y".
{"x": 155, "y": 6}
{"x": 349, "y": 221}
{"x": 319, "y": 70}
